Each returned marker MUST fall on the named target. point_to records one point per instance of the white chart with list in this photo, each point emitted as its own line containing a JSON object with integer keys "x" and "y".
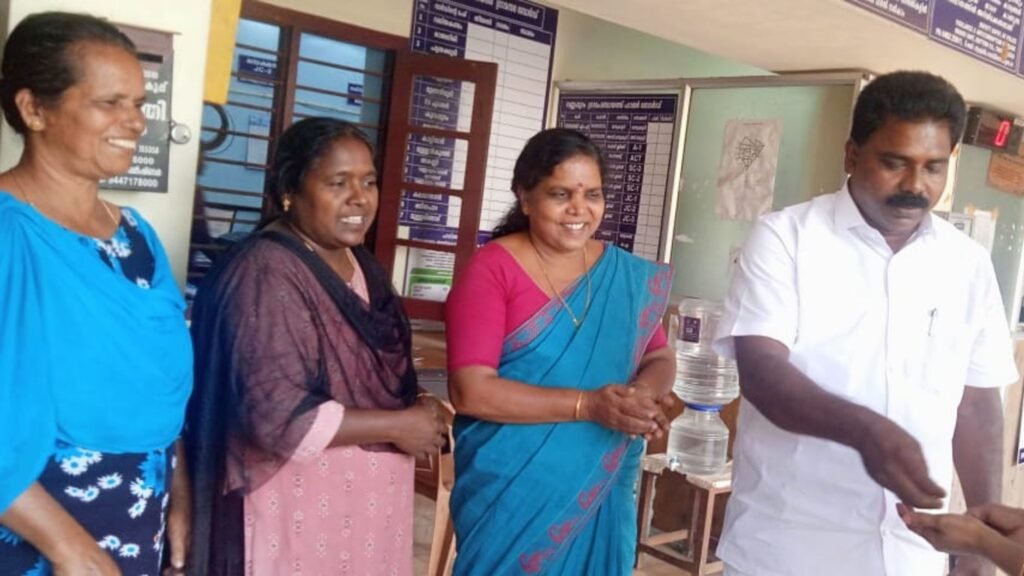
{"x": 517, "y": 35}
{"x": 635, "y": 132}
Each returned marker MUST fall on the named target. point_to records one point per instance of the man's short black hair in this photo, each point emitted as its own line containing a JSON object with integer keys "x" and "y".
{"x": 908, "y": 96}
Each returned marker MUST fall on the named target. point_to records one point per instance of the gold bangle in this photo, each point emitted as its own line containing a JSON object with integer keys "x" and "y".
{"x": 579, "y": 402}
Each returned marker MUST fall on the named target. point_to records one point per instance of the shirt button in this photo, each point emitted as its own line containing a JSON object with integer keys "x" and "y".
{"x": 885, "y": 532}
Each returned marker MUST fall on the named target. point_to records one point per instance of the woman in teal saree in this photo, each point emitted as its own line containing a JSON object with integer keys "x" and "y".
{"x": 558, "y": 369}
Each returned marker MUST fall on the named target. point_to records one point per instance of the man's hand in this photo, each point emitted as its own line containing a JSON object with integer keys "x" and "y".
{"x": 894, "y": 459}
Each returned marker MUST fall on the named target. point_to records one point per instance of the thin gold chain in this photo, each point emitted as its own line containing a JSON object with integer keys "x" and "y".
{"x": 302, "y": 237}
{"x": 577, "y": 322}
{"x": 117, "y": 223}
{"x": 309, "y": 246}
{"x": 28, "y": 199}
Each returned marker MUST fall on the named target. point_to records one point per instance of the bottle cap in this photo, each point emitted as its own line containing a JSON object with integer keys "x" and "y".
{"x": 704, "y": 407}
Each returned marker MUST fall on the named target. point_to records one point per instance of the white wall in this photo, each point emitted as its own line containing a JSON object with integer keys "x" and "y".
{"x": 585, "y": 49}
{"x": 588, "y": 48}
{"x": 389, "y": 16}
{"x": 189, "y": 20}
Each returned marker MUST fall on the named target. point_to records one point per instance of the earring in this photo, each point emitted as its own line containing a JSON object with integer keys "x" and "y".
{"x": 286, "y": 203}
{"x": 35, "y": 125}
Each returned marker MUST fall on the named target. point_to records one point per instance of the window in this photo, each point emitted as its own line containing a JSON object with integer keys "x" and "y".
{"x": 429, "y": 117}
{"x": 286, "y": 66}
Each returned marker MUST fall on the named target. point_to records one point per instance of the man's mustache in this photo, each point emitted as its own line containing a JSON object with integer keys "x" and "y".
{"x": 907, "y": 200}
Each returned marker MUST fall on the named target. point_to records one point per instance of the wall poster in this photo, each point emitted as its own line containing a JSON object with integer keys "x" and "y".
{"x": 746, "y": 174}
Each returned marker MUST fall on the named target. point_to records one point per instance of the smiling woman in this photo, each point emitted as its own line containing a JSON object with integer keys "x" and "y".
{"x": 558, "y": 364}
{"x": 305, "y": 379}
{"x": 95, "y": 359}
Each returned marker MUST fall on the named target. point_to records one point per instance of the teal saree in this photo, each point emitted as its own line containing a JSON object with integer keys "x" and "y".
{"x": 559, "y": 498}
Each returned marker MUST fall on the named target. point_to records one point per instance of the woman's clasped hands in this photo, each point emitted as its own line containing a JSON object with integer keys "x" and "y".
{"x": 631, "y": 408}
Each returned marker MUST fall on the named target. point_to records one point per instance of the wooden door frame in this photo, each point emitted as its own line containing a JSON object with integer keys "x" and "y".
{"x": 409, "y": 64}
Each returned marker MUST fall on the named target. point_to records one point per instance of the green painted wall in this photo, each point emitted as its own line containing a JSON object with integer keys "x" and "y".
{"x": 815, "y": 125}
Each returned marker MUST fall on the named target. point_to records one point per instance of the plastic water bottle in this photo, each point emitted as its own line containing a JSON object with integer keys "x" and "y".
{"x": 702, "y": 377}
{"x": 698, "y": 441}
{"x": 697, "y": 322}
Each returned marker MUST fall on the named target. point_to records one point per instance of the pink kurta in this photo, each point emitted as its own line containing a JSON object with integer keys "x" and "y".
{"x": 333, "y": 511}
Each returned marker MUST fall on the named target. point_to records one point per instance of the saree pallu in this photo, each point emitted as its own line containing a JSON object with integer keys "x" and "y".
{"x": 559, "y": 498}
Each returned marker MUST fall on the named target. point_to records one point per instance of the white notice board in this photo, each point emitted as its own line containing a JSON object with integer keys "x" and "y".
{"x": 517, "y": 35}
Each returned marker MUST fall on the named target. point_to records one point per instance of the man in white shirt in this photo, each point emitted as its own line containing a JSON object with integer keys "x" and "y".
{"x": 871, "y": 344}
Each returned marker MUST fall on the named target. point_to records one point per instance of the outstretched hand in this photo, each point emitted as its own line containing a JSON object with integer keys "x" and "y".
{"x": 1005, "y": 520}
{"x": 893, "y": 458}
{"x": 959, "y": 534}
{"x": 952, "y": 533}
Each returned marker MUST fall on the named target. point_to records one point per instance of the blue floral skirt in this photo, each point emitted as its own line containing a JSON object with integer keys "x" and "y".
{"x": 120, "y": 499}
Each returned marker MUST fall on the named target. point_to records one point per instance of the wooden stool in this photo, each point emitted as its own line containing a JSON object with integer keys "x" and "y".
{"x": 698, "y": 560}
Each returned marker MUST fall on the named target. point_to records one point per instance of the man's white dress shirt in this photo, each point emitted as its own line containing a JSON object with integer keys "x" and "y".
{"x": 901, "y": 334}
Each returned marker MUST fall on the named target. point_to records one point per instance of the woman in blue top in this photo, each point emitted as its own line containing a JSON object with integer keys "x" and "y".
{"x": 95, "y": 357}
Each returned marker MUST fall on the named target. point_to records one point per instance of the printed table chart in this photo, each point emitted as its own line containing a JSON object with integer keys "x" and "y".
{"x": 636, "y": 134}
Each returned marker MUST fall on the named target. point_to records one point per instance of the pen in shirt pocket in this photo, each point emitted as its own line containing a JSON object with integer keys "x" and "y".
{"x": 931, "y": 319}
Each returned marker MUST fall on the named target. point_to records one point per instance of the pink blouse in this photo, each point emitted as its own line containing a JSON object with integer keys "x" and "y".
{"x": 493, "y": 297}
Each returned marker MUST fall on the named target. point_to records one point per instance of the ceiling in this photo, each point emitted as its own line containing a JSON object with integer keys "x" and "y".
{"x": 791, "y": 35}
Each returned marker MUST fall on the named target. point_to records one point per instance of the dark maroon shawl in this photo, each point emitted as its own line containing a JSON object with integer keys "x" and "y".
{"x": 277, "y": 333}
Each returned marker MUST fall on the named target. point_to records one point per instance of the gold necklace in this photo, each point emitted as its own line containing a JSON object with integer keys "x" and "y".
{"x": 28, "y": 199}
{"x": 295, "y": 230}
{"x": 117, "y": 223}
{"x": 577, "y": 322}
{"x": 309, "y": 246}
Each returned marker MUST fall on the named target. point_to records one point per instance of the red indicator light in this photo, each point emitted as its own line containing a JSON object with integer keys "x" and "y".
{"x": 1002, "y": 134}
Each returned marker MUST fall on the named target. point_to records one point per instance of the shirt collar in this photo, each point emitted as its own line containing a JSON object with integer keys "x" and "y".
{"x": 847, "y": 216}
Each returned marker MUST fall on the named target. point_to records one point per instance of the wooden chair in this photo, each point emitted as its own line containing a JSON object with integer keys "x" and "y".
{"x": 442, "y": 549}
{"x": 435, "y": 479}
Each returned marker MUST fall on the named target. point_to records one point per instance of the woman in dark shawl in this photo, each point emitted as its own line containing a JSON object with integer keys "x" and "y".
{"x": 304, "y": 422}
